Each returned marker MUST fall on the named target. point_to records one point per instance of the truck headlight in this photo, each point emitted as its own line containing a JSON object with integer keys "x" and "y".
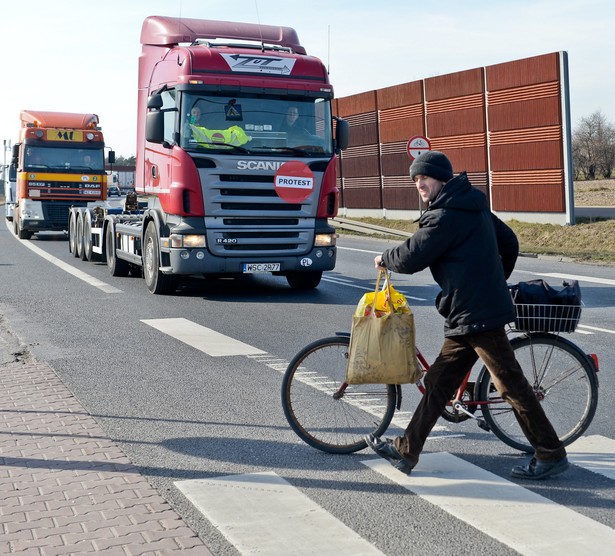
{"x": 324, "y": 240}
{"x": 190, "y": 240}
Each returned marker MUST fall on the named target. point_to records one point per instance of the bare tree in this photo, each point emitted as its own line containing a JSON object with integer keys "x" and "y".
{"x": 593, "y": 147}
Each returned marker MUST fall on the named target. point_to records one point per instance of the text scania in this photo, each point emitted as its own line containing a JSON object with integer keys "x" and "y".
{"x": 299, "y": 183}
{"x": 258, "y": 165}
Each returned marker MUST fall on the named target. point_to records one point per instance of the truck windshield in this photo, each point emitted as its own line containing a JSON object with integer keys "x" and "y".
{"x": 256, "y": 125}
{"x": 64, "y": 159}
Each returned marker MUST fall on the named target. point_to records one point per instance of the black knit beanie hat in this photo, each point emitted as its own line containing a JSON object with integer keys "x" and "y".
{"x": 433, "y": 164}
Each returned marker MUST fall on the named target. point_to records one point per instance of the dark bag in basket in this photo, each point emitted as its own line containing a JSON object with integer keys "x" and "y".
{"x": 541, "y": 308}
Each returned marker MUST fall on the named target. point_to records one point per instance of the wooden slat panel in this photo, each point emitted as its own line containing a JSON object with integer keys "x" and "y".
{"x": 400, "y": 95}
{"x": 364, "y": 134}
{"x": 527, "y": 156}
{"x": 457, "y": 84}
{"x": 396, "y": 164}
{"x": 463, "y": 158}
{"x": 527, "y": 135}
{"x": 541, "y": 112}
{"x": 365, "y": 166}
{"x": 529, "y": 92}
{"x": 402, "y": 129}
{"x": 357, "y": 104}
{"x": 528, "y": 198}
{"x": 458, "y": 123}
{"x": 401, "y": 198}
{"x": 362, "y": 197}
{"x": 532, "y": 178}
{"x": 518, "y": 73}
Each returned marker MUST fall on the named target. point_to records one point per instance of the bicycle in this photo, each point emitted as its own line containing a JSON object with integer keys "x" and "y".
{"x": 333, "y": 416}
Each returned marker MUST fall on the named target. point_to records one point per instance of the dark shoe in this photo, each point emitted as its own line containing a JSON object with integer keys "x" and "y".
{"x": 535, "y": 469}
{"x": 387, "y": 450}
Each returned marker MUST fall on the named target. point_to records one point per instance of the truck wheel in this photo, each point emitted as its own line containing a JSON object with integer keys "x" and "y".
{"x": 79, "y": 235}
{"x": 22, "y": 234}
{"x": 156, "y": 281}
{"x": 72, "y": 233}
{"x": 304, "y": 280}
{"x": 117, "y": 267}
{"x": 88, "y": 253}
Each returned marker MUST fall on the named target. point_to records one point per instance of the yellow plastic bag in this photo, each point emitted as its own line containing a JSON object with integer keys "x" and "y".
{"x": 382, "y": 341}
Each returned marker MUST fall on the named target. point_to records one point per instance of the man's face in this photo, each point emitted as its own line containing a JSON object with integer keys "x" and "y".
{"x": 428, "y": 188}
{"x": 292, "y": 114}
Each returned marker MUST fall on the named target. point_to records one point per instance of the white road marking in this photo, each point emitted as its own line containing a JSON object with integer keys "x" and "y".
{"x": 204, "y": 339}
{"x": 261, "y": 513}
{"x": 103, "y": 286}
{"x": 596, "y": 328}
{"x": 578, "y": 277}
{"x": 595, "y": 453}
{"x": 507, "y": 512}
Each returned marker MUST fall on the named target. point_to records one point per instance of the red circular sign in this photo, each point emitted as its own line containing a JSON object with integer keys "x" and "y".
{"x": 294, "y": 182}
{"x": 417, "y": 146}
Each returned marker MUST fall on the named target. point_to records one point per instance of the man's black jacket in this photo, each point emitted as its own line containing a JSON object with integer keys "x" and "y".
{"x": 470, "y": 253}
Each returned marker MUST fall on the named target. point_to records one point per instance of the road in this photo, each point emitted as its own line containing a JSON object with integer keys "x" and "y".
{"x": 189, "y": 387}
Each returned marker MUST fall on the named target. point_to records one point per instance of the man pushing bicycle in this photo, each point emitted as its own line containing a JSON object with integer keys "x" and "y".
{"x": 470, "y": 253}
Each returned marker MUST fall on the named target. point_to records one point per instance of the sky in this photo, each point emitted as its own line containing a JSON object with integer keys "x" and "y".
{"x": 81, "y": 56}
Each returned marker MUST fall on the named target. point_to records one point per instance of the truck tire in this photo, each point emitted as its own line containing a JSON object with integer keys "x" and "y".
{"x": 21, "y": 234}
{"x": 304, "y": 280}
{"x": 156, "y": 281}
{"x": 72, "y": 233}
{"x": 80, "y": 244}
{"x": 88, "y": 251}
{"x": 117, "y": 267}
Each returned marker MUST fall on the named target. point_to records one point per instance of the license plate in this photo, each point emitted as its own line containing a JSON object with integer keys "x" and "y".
{"x": 260, "y": 267}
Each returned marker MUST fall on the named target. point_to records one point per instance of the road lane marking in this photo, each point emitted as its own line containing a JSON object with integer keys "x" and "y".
{"x": 321, "y": 383}
{"x": 204, "y": 339}
{"x": 262, "y": 513}
{"x": 578, "y": 277}
{"x": 595, "y": 453}
{"x": 103, "y": 286}
{"x": 515, "y": 516}
{"x": 596, "y": 328}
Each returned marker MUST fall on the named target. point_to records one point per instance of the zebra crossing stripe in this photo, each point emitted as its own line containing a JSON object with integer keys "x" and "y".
{"x": 594, "y": 453}
{"x": 261, "y": 513}
{"x": 199, "y": 337}
{"x": 515, "y": 516}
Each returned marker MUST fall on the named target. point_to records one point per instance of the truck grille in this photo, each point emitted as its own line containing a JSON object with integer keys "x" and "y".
{"x": 246, "y": 217}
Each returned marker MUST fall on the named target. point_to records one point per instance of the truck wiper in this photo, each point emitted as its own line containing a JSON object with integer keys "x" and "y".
{"x": 294, "y": 150}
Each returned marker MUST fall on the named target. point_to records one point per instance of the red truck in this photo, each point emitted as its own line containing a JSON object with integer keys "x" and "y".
{"x": 224, "y": 184}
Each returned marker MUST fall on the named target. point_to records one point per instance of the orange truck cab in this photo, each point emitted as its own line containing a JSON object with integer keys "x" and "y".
{"x": 59, "y": 162}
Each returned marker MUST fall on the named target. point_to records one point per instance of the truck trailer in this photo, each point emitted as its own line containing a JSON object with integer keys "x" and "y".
{"x": 223, "y": 184}
{"x": 59, "y": 163}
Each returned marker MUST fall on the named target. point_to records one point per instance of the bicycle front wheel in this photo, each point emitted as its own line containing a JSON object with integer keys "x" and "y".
{"x": 564, "y": 381}
{"x": 323, "y": 410}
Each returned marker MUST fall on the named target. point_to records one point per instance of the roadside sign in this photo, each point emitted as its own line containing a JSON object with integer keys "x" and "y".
{"x": 294, "y": 182}
{"x": 417, "y": 146}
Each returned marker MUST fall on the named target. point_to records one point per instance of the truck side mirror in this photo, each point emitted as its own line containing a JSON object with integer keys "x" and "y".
{"x": 111, "y": 157}
{"x": 154, "y": 127}
{"x": 154, "y": 120}
{"x": 342, "y": 134}
{"x": 154, "y": 102}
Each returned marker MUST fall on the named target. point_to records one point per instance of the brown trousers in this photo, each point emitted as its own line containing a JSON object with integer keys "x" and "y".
{"x": 458, "y": 354}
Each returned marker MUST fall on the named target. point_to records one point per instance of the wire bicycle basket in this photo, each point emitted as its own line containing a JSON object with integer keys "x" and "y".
{"x": 531, "y": 317}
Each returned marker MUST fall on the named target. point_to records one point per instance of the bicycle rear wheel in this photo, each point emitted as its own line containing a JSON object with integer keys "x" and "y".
{"x": 326, "y": 413}
{"x": 564, "y": 381}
